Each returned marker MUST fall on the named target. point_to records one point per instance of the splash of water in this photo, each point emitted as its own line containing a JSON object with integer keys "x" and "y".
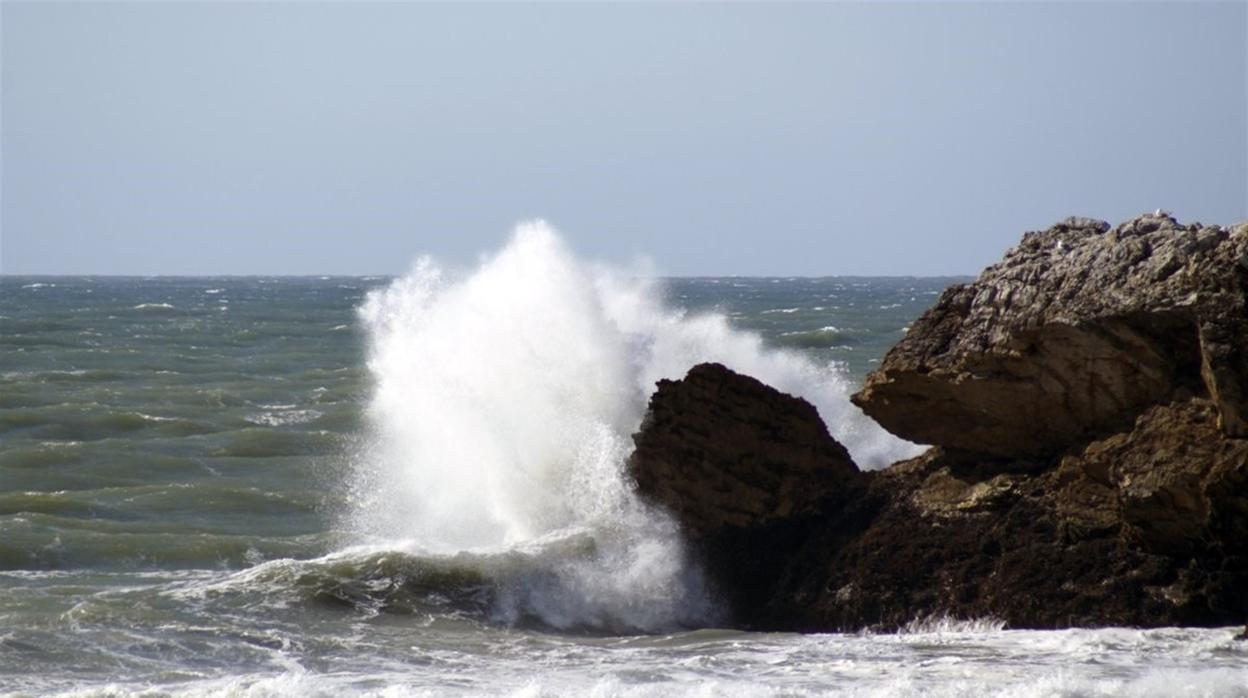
{"x": 503, "y": 405}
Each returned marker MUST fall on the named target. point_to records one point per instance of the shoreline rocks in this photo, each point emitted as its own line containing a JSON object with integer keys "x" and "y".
{"x": 1086, "y": 401}
{"x": 1078, "y": 330}
{"x": 745, "y": 468}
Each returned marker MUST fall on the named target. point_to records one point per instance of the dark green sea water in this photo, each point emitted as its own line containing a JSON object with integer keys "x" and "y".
{"x": 180, "y": 485}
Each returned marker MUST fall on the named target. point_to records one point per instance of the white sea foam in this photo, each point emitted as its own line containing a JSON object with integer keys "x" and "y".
{"x": 280, "y": 417}
{"x": 825, "y": 328}
{"x": 153, "y": 306}
{"x": 943, "y": 624}
{"x": 155, "y": 418}
{"x": 503, "y": 404}
{"x": 718, "y": 663}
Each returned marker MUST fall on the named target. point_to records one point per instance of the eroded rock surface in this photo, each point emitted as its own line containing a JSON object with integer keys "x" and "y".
{"x": 724, "y": 451}
{"x": 1148, "y": 527}
{"x": 746, "y": 469}
{"x": 1087, "y": 396}
{"x": 1145, "y": 528}
{"x": 1076, "y": 332}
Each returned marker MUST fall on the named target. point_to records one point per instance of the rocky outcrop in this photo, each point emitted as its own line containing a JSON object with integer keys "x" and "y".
{"x": 744, "y": 467}
{"x": 1086, "y": 398}
{"x": 1143, "y": 528}
{"x": 725, "y": 451}
{"x": 1076, "y": 332}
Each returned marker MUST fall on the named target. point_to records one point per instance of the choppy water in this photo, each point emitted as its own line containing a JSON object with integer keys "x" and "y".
{"x": 277, "y": 486}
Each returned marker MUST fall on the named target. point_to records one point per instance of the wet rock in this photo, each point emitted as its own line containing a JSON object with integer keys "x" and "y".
{"x": 1087, "y": 398}
{"x": 1145, "y": 528}
{"x": 1076, "y": 332}
{"x": 725, "y": 451}
{"x": 745, "y": 468}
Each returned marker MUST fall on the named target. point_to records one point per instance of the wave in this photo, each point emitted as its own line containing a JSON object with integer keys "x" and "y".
{"x": 474, "y": 585}
{"x": 943, "y": 625}
{"x": 92, "y": 422}
{"x": 530, "y": 585}
{"x": 112, "y": 537}
{"x": 502, "y": 408}
{"x": 435, "y": 660}
{"x": 822, "y": 338}
{"x": 268, "y": 442}
{"x": 283, "y": 416}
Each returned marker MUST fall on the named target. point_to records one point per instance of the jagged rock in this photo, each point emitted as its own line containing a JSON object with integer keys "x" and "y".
{"x": 1177, "y": 481}
{"x": 724, "y": 450}
{"x": 1148, "y": 527}
{"x": 1087, "y": 395}
{"x": 1076, "y": 332}
{"x": 1145, "y": 528}
{"x": 744, "y": 467}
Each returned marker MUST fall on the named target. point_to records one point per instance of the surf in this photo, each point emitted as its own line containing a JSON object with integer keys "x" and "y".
{"x": 503, "y": 400}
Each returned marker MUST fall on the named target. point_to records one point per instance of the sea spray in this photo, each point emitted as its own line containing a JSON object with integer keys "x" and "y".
{"x": 500, "y": 419}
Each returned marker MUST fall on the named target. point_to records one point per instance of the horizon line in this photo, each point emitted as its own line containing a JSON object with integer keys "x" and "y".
{"x": 396, "y": 276}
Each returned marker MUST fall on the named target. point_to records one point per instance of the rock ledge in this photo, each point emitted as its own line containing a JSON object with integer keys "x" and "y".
{"x": 1086, "y": 396}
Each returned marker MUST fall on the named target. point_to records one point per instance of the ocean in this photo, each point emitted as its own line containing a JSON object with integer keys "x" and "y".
{"x": 324, "y": 486}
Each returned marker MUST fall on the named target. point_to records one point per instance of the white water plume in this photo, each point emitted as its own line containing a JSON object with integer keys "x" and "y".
{"x": 503, "y": 405}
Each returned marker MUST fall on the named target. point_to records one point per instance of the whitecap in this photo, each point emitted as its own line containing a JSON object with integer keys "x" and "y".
{"x": 283, "y": 417}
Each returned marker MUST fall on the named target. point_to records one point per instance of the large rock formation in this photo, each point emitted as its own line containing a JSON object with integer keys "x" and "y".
{"x": 1086, "y": 395}
{"x": 1076, "y": 332}
{"x": 744, "y": 467}
{"x": 1143, "y": 528}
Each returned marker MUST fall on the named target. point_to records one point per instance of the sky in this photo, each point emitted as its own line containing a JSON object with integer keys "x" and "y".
{"x": 711, "y": 139}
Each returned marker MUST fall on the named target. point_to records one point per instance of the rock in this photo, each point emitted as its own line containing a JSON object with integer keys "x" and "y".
{"x": 744, "y": 468}
{"x": 1075, "y": 333}
{"x": 1087, "y": 399}
{"x": 724, "y": 450}
{"x": 1145, "y": 528}
{"x": 1176, "y": 479}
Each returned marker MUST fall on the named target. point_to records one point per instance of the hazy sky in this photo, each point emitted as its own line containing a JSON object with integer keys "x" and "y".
{"x": 813, "y": 139}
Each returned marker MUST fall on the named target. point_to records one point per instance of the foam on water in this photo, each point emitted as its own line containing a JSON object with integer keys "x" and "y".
{"x": 502, "y": 409}
{"x": 725, "y": 663}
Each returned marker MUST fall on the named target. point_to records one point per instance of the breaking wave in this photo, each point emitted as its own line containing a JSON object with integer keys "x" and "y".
{"x": 502, "y": 408}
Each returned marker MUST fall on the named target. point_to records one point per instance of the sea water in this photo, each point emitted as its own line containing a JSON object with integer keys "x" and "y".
{"x": 413, "y": 486}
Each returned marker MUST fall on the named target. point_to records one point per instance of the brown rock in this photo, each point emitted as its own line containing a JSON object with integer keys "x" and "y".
{"x": 723, "y": 450}
{"x": 1175, "y": 477}
{"x": 1146, "y": 528}
{"x": 1072, "y": 335}
{"x": 744, "y": 468}
{"x": 1088, "y": 396}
